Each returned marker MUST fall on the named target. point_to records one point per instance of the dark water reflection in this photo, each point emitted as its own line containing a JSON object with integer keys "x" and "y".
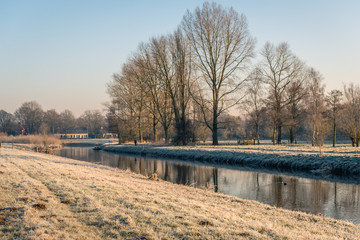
{"x": 336, "y": 200}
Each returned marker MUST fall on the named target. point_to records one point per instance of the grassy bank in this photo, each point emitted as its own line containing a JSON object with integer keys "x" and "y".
{"x": 43, "y": 140}
{"x": 47, "y": 197}
{"x": 38, "y": 143}
{"x": 339, "y": 161}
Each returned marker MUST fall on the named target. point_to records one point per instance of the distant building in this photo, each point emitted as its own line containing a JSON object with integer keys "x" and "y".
{"x": 72, "y": 136}
{"x": 110, "y": 135}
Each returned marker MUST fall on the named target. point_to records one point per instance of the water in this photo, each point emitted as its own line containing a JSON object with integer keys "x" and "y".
{"x": 331, "y": 199}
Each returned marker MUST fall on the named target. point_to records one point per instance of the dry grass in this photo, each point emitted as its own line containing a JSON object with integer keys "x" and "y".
{"x": 35, "y": 140}
{"x": 49, "y": 197}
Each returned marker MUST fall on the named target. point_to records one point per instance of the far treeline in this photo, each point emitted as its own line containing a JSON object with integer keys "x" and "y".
{"x": 186, "y": 83}
{"x": 30, "y": 118}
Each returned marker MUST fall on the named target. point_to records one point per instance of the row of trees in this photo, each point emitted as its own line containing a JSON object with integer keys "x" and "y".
{"x": 188, "y": 80}
{"x": 30, "y": 118}
{"x": 304, "y": 108}
{"x": 184, "y": 79}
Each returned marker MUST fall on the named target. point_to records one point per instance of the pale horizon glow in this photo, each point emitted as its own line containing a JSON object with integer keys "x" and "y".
{"x": 62, "y": 54}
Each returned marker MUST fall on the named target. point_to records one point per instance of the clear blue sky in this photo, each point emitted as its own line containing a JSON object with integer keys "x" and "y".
{"x": 62, "y": 53}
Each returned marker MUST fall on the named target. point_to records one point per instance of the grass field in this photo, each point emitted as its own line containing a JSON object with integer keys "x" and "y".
{"x": 49, "y": 197}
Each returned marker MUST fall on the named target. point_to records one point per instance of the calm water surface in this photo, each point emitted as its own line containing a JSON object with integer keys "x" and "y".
{"x": 332, "y": 199}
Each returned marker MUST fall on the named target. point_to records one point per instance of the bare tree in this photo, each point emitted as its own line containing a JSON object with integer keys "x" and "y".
{"x": 138, "y": 97}
{"x": 295, "y": 108}
{"x": 157, "y": 89}
{"x": 7, "y": 123}
{"x": 122, "y": 109}
{"x": 179, "y": 88}
{"x": 254, "y": 102}
{"x": 68, "y": 121}
{"x": 116, "y": 118}
{"x": 333, "y": 100}
{"x": 350, "y": 115}
{"x": 52, "y": 120}
{"x": 280, "y": 67}
{"x": 222, "y": 47}
{"x": 30, "y": 116}
{"x": 94, "y": 122}
{"x": 316, "y": 105}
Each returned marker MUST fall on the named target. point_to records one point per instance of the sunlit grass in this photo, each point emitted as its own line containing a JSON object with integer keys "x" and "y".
{"x": 49, "y": 197}
{"x": 38, "y": 140}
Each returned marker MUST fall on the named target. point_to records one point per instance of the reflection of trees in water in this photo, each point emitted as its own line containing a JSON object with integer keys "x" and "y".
{"x": 184, "y": 174}
{"x": 347, "y": 195}
{"x": 79, "y": 153}
{"x": 277, "y": 186}
{"x": 293, "y": 193}
{"x": 216, "y": 179}
{"x": 167, "y": 173}
{"x": 316, "y": 196}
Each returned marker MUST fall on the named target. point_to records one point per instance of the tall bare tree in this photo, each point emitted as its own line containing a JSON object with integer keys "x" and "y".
{"x": 316, "y": 104}
{"x": 350, "y": 115}
{"x": 280, "y": 67}
{"x": 179, "y": 89}
{"x": 295, "y": 109}
{"x": 138, "y": 91}
{"x": 157, "y": 89}
{"x": 333, "y": 100}
{"x": 222, "y": 48}
{"x": 254, "y": 102}
{"x": 122, "y": 90}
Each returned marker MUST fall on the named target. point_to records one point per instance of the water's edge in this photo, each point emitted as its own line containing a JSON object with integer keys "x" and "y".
{"x": 325, "y": 168}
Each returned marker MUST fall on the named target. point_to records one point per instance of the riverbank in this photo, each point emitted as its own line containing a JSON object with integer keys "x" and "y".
{"x": 339, "y": 161}
{"x": 44, "y": 196}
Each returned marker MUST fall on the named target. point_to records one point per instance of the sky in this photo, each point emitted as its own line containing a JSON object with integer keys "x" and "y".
{"x": 62, "y": 53}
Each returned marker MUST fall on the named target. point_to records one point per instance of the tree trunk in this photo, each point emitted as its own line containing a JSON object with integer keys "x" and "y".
{"x": 313, "y": 137}
{"x": 140, "y": 130}
{"x": 334, "y": 133}
{"x": 154, "y": 129}
{"x": 216, "y": 179}
{"x": 183, "y": 130}
{"x": 291, "y": 135}
{"x": 214, "y": 134}
{"x": 215, "y": 125}
{"x": 279, "y": 134}
{"x": 166, "y": 133}
{"x": 119, "y": 133}
{"x": 274, "y": 135}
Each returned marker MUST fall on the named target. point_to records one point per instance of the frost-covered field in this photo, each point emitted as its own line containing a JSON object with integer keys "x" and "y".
{"x": 341, "y": 160}
{"x": 49, "y": 197}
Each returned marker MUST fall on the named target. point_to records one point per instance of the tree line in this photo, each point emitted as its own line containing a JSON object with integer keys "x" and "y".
{"x": 30, "y": 118}
{"x": 186, "y": 82}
